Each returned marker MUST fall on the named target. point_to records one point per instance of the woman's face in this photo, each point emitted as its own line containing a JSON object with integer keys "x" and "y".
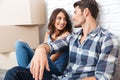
{"x": 60, "y": 22}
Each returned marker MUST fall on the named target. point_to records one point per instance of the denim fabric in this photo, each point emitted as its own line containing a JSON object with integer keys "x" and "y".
{"x": 22, "y": 73}
{"x": 24, "y": 55}
{"x": 18, "y": 73}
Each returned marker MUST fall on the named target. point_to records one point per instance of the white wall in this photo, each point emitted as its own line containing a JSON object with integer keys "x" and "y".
{"x": 109, "y": 12}
{"x": 110, "y": 15}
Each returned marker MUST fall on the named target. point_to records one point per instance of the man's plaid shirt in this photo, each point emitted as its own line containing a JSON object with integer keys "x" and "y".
{"x": 96, "y": 56}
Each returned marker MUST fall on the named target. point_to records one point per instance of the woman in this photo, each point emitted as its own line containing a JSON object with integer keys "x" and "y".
{"x": 59, "y": 27}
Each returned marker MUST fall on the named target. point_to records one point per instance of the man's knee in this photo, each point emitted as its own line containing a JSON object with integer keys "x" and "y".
{"x": 10, "y": 74}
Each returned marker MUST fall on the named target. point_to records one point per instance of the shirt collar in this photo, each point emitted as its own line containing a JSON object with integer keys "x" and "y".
{"x": 92, "y": 33}
{"x": 95, "y": 31}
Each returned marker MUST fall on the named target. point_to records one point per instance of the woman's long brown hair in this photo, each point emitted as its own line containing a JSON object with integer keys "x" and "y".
{"x": 51, "y": 26}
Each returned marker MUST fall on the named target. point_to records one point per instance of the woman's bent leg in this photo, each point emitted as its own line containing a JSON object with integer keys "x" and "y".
{"x": 62, "y": 61}
{"x": 24, "y": 53}
{"x": 53, "y": 68}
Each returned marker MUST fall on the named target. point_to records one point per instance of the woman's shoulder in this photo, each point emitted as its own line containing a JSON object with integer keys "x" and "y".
{"x": 47, "y": 36}
{"x": 47, "y": 33}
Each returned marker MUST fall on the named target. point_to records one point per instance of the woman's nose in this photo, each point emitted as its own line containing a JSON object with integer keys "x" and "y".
{"x": 62, "y": 21}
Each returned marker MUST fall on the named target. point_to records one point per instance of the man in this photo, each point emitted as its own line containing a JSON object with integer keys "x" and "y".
{"x": 92, "y": 51}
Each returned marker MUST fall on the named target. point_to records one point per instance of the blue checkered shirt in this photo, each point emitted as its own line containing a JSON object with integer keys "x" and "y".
{"x": 96, "y": 56}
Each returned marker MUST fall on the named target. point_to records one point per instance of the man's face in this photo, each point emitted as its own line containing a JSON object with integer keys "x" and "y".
{"x": 78, "y": 18}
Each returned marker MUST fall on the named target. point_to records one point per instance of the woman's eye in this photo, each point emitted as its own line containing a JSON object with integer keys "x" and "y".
{"x": 58, "y": 18}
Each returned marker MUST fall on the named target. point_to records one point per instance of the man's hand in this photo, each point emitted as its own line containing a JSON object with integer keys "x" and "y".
{"x": 39, "y": 62}
{"x": 89, "y": 78}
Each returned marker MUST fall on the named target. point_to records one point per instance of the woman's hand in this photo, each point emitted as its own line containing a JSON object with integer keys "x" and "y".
{"x": 63, "y": 35}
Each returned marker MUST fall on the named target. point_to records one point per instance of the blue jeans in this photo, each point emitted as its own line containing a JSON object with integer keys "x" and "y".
{"x": 24, "y": 55}
{"x": 18, "y": 73}
{"x": 21, "y": 73}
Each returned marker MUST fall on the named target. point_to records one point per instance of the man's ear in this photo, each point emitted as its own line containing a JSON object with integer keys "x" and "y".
{"x": 86, "y": 12}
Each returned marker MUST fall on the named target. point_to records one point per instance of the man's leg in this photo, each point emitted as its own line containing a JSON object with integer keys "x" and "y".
{"x": 18, "y": 73}
{"x": 21, "y": 73}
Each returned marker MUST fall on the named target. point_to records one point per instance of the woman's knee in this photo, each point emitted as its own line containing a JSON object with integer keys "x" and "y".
{"x": 19, "y": 43}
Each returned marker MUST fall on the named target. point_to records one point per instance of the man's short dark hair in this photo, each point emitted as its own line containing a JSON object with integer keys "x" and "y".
{"x": 90, "y": 4}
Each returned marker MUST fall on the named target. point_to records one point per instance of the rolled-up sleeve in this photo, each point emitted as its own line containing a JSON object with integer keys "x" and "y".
{"x": 58, "y": 45}
{"x": 107, "y": 59}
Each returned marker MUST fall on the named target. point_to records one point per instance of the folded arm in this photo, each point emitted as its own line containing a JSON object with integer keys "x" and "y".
{"x": 107, "y": 59}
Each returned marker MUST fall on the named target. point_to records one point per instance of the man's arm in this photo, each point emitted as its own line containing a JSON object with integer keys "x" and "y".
{"x": 107, "y": 59}
{"x": 39, "y": 61}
